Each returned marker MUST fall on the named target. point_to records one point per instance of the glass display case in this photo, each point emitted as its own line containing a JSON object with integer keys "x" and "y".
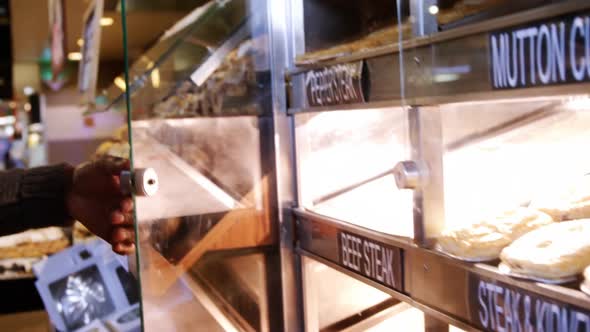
{"x": 492, "y": 188}
{"x": 351, "y": 157}
{"x": 199, "y": 107}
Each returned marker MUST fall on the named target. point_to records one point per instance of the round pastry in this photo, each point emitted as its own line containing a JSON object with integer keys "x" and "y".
{"x": 571, "y": 203}
{"x": 486, "y": 239}
{"x": 555, "y": 251}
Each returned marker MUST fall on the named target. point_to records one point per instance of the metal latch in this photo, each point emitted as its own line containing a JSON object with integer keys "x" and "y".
{"x": 140, "y": 182}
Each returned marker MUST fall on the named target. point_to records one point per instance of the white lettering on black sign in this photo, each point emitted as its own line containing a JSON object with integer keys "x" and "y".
{"x": 334, "y": 85}
{"x": 374, "y": 260}
{"x": 503, "y": 308}
{"x": 547, "y": 53}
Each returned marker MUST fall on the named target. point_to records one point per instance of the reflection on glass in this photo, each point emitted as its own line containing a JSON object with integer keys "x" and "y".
{"x": 336, "y": 28}
{"x": 346, "y": 161}
{"x": 82, "y": 297}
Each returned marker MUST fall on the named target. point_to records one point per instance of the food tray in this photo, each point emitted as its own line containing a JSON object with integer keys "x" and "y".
{"x": 506, "y": 270}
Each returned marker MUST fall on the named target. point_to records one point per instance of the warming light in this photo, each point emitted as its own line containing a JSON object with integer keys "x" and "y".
{"x": 120, "y": 83}
{"x": 578, "y": 103}
{"x": 155, "y": 76}
{"x": 74, "y": 56}
{"x": 106, "y": 21}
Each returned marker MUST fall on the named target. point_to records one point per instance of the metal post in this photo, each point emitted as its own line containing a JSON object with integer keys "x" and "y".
{"x": 426, "y": 142}
{"x": 285, "y": 23}
{"x": 427, "y": 149}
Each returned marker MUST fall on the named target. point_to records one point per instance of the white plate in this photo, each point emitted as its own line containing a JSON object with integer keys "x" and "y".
{"x": 585, "y": 289}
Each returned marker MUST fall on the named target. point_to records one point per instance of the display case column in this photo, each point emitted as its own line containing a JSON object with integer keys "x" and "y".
{"x": 283, "y": 16}
{"x": 426, "y": 140}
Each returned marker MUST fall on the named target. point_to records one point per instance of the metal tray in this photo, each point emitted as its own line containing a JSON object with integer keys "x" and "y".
{"x": 505, "y": 269}
{"x": 439, "y": 249}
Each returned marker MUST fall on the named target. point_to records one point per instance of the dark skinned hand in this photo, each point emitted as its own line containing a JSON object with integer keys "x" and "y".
{"x": 95, "y": 199}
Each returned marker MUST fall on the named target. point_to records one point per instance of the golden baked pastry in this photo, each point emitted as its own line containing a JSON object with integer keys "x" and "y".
{"x": 555, "y": 251}
{"x": 571, "y": 203}
{"x": 113, "y": 149}
{"x": 33, "y": 243}
{"x": 485, "y": 240}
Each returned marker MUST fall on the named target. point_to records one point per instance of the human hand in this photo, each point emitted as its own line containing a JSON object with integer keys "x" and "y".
{"x": 95, "y": 199}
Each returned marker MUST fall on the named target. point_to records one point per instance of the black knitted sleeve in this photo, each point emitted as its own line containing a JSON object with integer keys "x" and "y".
{"x": 33, "y": 198}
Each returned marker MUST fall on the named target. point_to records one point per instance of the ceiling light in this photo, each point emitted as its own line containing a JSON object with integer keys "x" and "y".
{"x": 106, "y": 21}
{"x": 74, "y": 56}
{"x": 80, "y": 42}
{"x": 433, "y": 9}
{"x": 155, "y": 76}
{"x": 28, "y": 90}
{"x": 12, "y": 104}
{"x": 27, "y": 107}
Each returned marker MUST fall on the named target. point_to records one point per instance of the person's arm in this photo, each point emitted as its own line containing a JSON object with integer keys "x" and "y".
{"x": 34, "y": 198}
{"x": 58, "y": 195}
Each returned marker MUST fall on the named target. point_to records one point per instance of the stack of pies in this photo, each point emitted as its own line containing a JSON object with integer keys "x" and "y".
{"x": 556, "y": 251}
{"x": 485, "y": 240}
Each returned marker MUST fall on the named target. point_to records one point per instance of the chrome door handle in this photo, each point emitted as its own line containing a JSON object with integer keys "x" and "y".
{"x": 140, "y": 182}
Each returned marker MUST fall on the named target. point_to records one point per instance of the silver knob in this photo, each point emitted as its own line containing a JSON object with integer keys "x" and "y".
{"x": 143, "y": 182}
{"x": 407, "y": 175}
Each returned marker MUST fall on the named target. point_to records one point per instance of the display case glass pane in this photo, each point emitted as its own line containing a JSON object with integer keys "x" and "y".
{"x": 338, "y": 28}
{"x": 196, "y": 110}
{"x": 452, "y": 14}
{"x": 336, "y": 301}
{"x": 346, "y": 161}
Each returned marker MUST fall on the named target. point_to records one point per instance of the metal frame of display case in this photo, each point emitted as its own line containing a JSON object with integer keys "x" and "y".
{"x": 447, "y": 290}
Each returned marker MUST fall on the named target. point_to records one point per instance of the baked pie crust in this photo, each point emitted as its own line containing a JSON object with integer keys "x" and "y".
{"x": 555, "y": 251}
{"x": 485, "y": 240}
{"x": 571, "y": 203}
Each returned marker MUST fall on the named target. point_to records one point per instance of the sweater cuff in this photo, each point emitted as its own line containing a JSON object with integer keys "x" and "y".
{"x": 43, "y": 191}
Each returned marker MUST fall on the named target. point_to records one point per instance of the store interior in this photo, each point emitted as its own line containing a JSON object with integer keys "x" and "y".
{"x": 306, "y": 165}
